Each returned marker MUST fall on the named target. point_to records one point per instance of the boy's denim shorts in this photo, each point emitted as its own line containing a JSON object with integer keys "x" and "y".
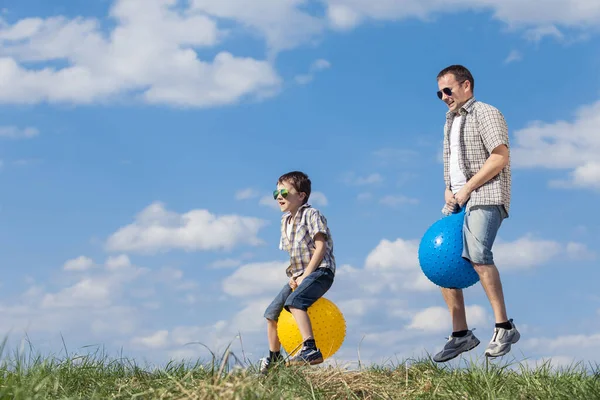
{"x": 479, "y": 232}
{"x": 313, "y": 287}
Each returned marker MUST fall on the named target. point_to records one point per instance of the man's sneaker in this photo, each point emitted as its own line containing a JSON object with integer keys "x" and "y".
{"x": 502, "y": 340}
{"x": 307, "y": 355}
{"x": 455, "y": 346}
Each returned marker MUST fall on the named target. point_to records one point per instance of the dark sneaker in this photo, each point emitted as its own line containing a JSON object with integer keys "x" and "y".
{"x": 307, "y": 355}
{"x": 502, "y": 340}
{"x": 456, "y": 346}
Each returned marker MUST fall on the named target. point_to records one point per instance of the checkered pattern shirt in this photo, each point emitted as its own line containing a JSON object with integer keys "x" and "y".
{"x": 483, "y": 128}
{"x": 300, "y": 245}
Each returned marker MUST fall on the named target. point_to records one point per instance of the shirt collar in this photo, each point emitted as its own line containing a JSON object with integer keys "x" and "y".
{"x": 305, "y": 205}
{"x": 464, "y": 110}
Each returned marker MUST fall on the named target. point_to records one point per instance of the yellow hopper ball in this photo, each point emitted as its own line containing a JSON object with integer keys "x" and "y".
{"x": 328, "y": 324}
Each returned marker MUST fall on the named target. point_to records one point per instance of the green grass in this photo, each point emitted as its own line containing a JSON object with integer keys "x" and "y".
{"x": 96, "y": 376}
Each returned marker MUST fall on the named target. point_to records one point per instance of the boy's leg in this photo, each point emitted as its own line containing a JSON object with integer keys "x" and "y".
{"x": 481, "y": 227}
{"x": 310, "y": 290}
{"x": 272, "y": 315}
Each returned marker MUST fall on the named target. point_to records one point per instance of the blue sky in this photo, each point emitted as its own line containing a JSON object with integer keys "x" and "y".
{"x": 140, "y": 142}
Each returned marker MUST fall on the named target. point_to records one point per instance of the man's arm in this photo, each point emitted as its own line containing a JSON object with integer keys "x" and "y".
{"x": 492, "y": 167}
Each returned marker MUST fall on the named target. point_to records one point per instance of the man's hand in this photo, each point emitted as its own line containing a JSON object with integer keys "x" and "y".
{"x": 293, "y": 283}
{"x": 463, "y": 195}
{"x": 450, "y": 199}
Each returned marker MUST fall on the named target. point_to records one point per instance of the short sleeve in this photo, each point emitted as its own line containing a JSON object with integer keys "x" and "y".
{"x": 316, "y": 223}
{"x": 494, "y": 131}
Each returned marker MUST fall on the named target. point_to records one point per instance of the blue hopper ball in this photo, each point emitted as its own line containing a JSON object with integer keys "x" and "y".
{"x": 440, "y": 254}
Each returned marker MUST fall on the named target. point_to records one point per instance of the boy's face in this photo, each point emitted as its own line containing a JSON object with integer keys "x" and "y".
{"x": 292, "y": 201}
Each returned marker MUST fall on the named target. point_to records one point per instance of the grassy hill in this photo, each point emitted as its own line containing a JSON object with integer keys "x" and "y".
{"x": 97, "y": 377}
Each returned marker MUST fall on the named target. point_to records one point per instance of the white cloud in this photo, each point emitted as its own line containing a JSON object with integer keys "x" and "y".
{"x": 256, "y": 278}
{"x": 268, "y": 201}
{"x": 244, "y": 194}
{"x": 538, "y": 33}
{"x": 282, "y": 23}
{"x": 352, "y": 179}
{"x": 12, "y": 132}
{"x": 315, "y": 67}
{"x": 318, "y": 199}
{"x": 150, "y": 52}
{"x": 580, "y": 251}
{"x": 577, "y": 341}
{"x": 513, "y": 56}
{"x": 81, "y": 263}
{"x": 397, "y": 200}
{"x": 574, "y": 147}
{"x": 395, "y": 265}
{"x": 525, "y": 252}
{"x": 364, "y": 196}
{"x": 528, "y": 252}
{"x": 437, "y": 319}
{"x": 345, "y": 14}
{"x": 157, "y": 230}
{"x": 157, "y": 340}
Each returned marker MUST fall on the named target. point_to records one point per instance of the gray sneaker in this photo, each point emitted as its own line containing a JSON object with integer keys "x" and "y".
{"x": 456, "y": 346}
{"x": 502, "y": 340}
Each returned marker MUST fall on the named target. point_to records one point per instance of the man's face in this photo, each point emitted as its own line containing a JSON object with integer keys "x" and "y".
{"x": 453, "y": 93}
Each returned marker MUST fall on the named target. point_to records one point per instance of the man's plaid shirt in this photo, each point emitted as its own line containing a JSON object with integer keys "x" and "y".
{"x": 301, "y": 246}
{"x": 483, "y": 128}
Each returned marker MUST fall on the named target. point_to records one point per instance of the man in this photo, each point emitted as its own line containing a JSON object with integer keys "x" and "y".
{"x": 477, "y": 176}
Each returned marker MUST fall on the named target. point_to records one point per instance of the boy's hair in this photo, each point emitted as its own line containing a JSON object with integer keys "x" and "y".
{"x": 299, "y": 181}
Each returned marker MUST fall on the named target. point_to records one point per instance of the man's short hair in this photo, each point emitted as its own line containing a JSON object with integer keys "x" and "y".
{"x": 460, "y": 73}
{"x": 299, "y": 181}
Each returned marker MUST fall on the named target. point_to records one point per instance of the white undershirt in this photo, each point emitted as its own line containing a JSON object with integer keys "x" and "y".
{"x": 289, "y": 223}
{"x": 457, "y": 178}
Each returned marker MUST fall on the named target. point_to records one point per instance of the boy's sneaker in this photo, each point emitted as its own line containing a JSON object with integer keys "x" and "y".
{"x": 307, "y": 355}
{"x": 456, "y": 346}
{"x": 502, "y": 340}
{"x": 267, "y": 364}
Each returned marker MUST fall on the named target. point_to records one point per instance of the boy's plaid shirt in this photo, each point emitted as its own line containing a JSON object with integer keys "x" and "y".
{"x": 483, "y": 128}
{"x": 301, "y": 246}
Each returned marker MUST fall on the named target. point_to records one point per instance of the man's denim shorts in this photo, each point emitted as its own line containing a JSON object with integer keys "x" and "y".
{"x": 313, "y": 287}
{"x": 479, "y": 232}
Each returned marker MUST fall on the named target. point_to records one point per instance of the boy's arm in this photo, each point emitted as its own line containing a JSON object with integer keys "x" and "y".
{"x": 320, "y": 248}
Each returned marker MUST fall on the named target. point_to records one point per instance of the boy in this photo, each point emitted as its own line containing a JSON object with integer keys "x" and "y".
{"x": 305, "y": 235}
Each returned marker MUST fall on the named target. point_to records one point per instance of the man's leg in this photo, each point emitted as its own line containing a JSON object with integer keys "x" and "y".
{"x": 456, "y": 305}
{"x": 462, "y": 339}
{"x": 481, "y": 227}
{"x": 490, "y": 280}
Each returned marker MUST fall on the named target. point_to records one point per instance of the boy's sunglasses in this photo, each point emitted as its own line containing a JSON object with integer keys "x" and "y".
{"x": 284, "y": 193}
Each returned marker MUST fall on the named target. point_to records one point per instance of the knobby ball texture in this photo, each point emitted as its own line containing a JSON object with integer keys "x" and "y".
{"x": 440, "y": 254}
{"x": 328, "y": 323}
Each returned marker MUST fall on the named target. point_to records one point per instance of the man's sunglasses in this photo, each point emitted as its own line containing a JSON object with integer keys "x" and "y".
{"x": 446, "y": 91}
{"x": 284, "y": 193}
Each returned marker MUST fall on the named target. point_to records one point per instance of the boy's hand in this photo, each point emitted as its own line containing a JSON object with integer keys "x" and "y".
{"x": 293, "y": 283}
